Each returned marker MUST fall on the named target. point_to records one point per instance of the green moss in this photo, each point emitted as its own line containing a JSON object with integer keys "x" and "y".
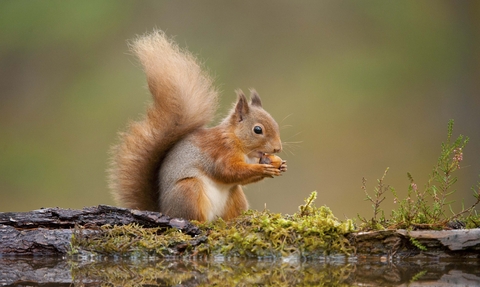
{"x": 313, "y": 232}
{"x": 131, "y": 241}
{"x": 473, "y": 221}
{"x": 417, "y": 244}
{"x": 266, "y": 234}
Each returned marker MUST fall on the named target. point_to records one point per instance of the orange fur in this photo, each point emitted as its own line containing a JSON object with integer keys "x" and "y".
{"x": 236, "y": 204}
{"x": 190, "y": 194}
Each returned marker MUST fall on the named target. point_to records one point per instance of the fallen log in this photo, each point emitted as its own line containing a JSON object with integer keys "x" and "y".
{"x": 424, "y": 244}
{"x": 49, "y": 231}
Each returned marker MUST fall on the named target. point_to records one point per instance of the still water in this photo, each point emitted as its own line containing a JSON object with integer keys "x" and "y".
{"x": 16, "y": 271}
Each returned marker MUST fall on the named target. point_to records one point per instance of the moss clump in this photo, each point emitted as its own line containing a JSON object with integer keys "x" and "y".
{"x": 131, "y": 240}
{"x": 312, "y": 232}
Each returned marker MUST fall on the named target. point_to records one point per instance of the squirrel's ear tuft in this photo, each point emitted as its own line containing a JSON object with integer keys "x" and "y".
{"x": 256, "y": 101}
{"x": 241, "y": 108}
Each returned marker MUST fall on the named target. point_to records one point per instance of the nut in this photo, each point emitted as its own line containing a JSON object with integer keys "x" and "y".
{"x": 272, "y": 159}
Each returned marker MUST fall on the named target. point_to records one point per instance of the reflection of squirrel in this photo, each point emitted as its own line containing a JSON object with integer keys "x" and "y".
{"x": 170, "y": 162}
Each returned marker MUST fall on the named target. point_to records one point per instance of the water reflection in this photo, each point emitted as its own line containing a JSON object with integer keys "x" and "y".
{"x": 170, "y": 272}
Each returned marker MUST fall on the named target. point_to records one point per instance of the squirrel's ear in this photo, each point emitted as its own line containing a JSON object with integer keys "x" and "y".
{"x": 255, "y": 98}
{"x": 241, "y": 108}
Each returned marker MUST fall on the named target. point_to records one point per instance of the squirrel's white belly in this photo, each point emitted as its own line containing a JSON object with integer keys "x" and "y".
{"x": 217, "y": 194}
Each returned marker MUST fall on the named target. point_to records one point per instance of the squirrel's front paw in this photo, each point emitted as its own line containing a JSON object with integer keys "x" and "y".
{"x": 270, "y": 170}
{"x": 279, "y": 164}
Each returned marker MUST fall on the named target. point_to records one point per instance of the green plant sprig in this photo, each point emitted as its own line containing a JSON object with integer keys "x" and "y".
{"x": 426, "y": 209}
{"x": 379, "y": 197}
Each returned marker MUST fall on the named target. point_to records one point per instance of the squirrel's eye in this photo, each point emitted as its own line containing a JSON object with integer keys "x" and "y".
{"x": 258, "y": 130}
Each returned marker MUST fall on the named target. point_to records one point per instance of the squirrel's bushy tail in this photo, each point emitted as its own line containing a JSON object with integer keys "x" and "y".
{"x": 184, "y": 99}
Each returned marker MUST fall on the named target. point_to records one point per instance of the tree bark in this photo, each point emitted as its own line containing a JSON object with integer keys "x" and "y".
{"x": 49, "y": 231}
{"x": 390, "y": 244}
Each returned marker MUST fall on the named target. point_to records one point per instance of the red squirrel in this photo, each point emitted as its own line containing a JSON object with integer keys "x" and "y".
{"x": 171, "y": 162}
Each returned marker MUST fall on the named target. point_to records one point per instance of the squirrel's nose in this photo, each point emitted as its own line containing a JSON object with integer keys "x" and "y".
{"x": 277, "y": 149}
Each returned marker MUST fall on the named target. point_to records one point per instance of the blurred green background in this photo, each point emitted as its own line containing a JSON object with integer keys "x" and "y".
{"x": 357, "y": 86}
